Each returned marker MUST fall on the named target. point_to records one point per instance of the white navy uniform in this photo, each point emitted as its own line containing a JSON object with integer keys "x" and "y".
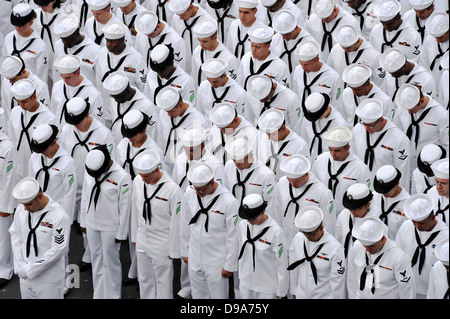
{"x": 210, "y": 250}
{"x": 420, "y": 182}
{"x": 168, "y": 35}
{"x": 313, "y": 193}
{"x": 329, "y": 268}
{"x": 62, "y": 179}
{"x": 45, "y": 265}
{"x": 441, "y": 208}
{"x": 411, "y": 17}
{"x": 129, "y": 20}
{"x": 257, "y": 179}
{"x": 32, "y": 50}
{"x": 365, "y": 10}
{"x": 392, "y": 149}
{"x": 267, "y": 16}
{"x": 62, "y": 93}
{"x": 157, "y": 236}
{"x": 265, "y": 273}
{"x": 224, "y": 17}
{"x": 160, "y": 8}
{"x": 353, "y": 172}
{"x": 395, "y": 277}
{"x": 21, "y": 133}
{"x": 87, "y": 50}
{"x": 238, "y": 41}
{"x": 93, "y": 30}
{"x": 406, "y": 239}
{"x": 431, "y": 57}
{"x": 273, "y": 152}
{"x": 393, "y": 208}
{"x": 444, "y": 93}
{"x": 105, "y": 221}
{"x": 437, "y": 288}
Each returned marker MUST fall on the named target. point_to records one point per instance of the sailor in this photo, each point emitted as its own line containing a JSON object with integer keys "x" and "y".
{"x": 362, "y": 10}
{"x": 377, "y": 266}
{"x": 400, "y": 71}
{"x": 418, "y": 15}
{"x": 245, "y": 174}
{"x": 225, "y": 12}
{"x": 378, "y": 141}
{"x": 261, "y": 59}
{"x": 161, "y": 8}
{"x": 13, "y": 69}
{"x": 39, "y": 238}
{"x": 297, "y": 189}
{"x": 228, "y": 124}
{"x": 175, "y": 116}
{"x": 319, "y": 116}
{"x": 423, "y": 119}
{"x": 278, "y": 141}
{"x": 27, "y": 117}
{"x": 444, "y": 98}
{"x": 317, "y": 263}
{"x": 438, "y": 288}
{"x": 323, "y": 22}
{"x": 129, "y": 10}
{"x": 263, "y": 258}
{"x": 26, "y": 43}
{"x": 208, "y": 233}
{"x": 117, "y": 55}
{"x": 289, "y": 34}
{"x": 155, "y": 226}
{"x": 53, "y": 167}
{"x": 272, "y": 7}
{"x": 340, "y": 167}
{"x": 267, "y": 93}
{"x": 361, "y": 87}
{"x": 104, "y": 217}
{"x": 75, "y": 42}
{"x": 418, "y": 237}
{"x": 73, "y": 83}
{"x": 440, "y": 192}
{"x": 422, "y": 179}
{"x": 314, "y": 75}
{"x": 124, "y": 96}
{"x": 152, "y": 32}
{"x": 393, "y": 31}
{"x": 220, "y": 87}
{"x": 389, "y": 198}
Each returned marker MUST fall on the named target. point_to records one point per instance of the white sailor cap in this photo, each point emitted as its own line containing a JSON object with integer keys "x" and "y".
{"x": 437, "y": 24}
{"x": 205, "y": 28}
{"x": 418, "y": 207}
{"x": 271, "y": 121}
{"x": 193, "y": 137}
{"x": 214, "y": 67}
{"x": 146, "y": 162}
{"x": 323, "y": 8}
{"x": 386, "y": 178}
{"x": 284, "y": 21}
{"x": 309, "y": 218}
{"x": 368, "y": 230}
{"x": 314, "y": 102}
{"x": 239, "y": 147}
{"x": 76, "y": 110}
{"x": 116, "y": 82}
{"x": 431, "y": 153}
{"x": 440, "y": 168}
{"x": 200, "y": 174}
{"x": 252, "y": 206}
{"x": 420, "y": 4}
{"x": 392, "y": 59}
{"x": 247, "y": 4}
{"x": 23, "y": 89}
{"x": 42, "y": 137}
{"x": 268, "y": 3}
{"x": 10, "y": 66}
{"x": 134, "y": 122}
{"x": 115, "y": 30}
{"x": 259, "y": 86}
{"x": 370, "y": 110}
{"x": 442, "y": 252}
{"x": 146, "y": 22}
{"x": 67, "y": 63}
{"x": 21, "y": 14}
{"x": 66, "y": 25}
{"x": 346, "y": 35}
{"x": 261, "y": 34}
{"x": 159, "y": 53}
{"x": 356, "y": 196}
{"x": 295, "y": 166}
{"x": 167, "y": 98}
{"x": 179, "y": 6}
{"x": 26, "y": 190}
{"x": 121, "y": 3}
{"x": 222, "y": 114}
{"x": 307, "y": 50}
{"x": 95, "y": 159}
{"x": 337, "y": 136}
{"x": 386, "y": 10}
{"x": 98, "y": 4}
{"x": 408, "y": 96}
{"x": 355, "y": 75}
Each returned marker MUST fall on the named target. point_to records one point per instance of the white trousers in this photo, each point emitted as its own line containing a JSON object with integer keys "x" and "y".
{"x": 207, "y": 282}
{"x": 106, "y": 266}
{"x": 34, "y": 289}
{"x": 155, "y": 275}
{"x": 252, "y": 294}
{"x": 6, "y": 257}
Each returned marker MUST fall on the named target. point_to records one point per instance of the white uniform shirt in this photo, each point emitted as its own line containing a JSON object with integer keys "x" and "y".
{"x": 224, "y": 17}
{"x": 365, "y": 10}
{"x": 441, "y": 208}
{"x": 93, "y": 30}
{"x": 130, "y": 18}
{"x": 444, "y": 93}
{"x": 238, "y": 41}
{"x": 267, "y": 16}
{"x": 161, "y": 8}
{"x": 420, "y": 182}
{"x": 437, "y": 287}
{"x": 411, "y": 17}
{"x": 431, "y": 57}
{"x": 7, "y": 178}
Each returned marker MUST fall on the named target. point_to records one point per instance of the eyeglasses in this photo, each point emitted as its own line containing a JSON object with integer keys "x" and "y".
{"x": 199, "y": 190}
{"x": 310, "y": 234}
{"x": 369, "y": 125}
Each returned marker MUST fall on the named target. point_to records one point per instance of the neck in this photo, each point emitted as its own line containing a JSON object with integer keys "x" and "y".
{"x": 52, "y": 151}
{"x": 139, "y": 143}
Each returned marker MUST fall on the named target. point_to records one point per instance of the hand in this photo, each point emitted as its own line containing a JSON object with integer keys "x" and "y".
{"x": 185, "y": 259}
{"x": 83, "y": 229}
{"x": 133, "y": 243}
{"x": 2, "y": 214}
{"x": 226, "y": 274}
